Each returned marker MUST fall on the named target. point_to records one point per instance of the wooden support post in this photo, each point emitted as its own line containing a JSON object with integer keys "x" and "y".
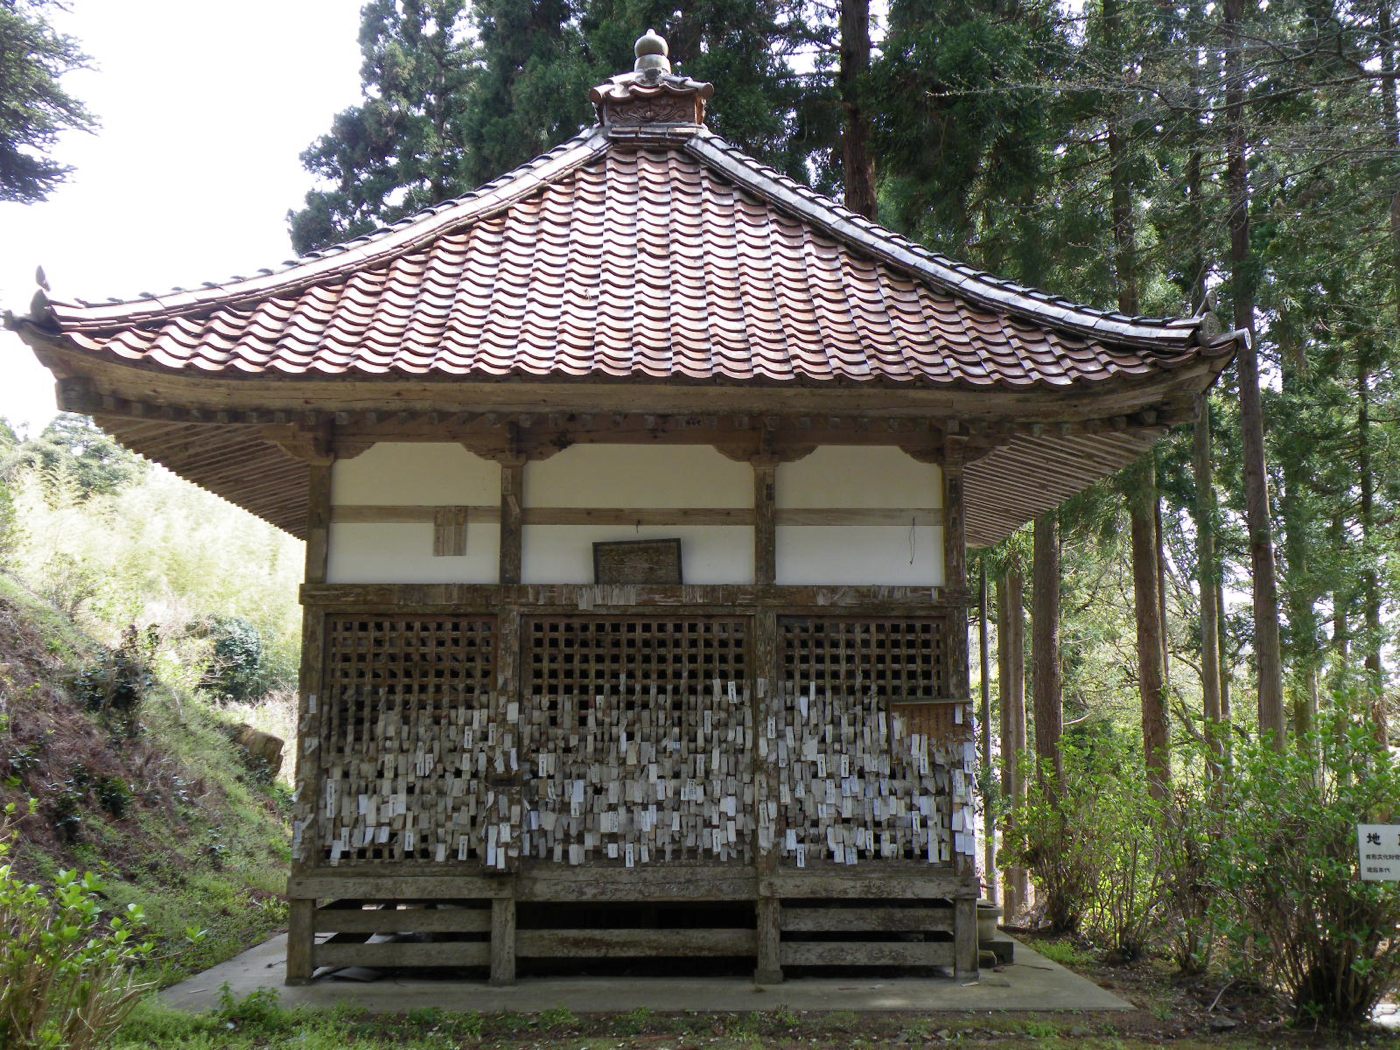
{"x": 770, "y": 967}
{"x": 765, "y": 533}
{"x": 954, "y": 519}
{"x": 512, "y": 504}
{"x": 767, "y": 693}
{"x": 960, "y": 685}
{"x": 984, "y": 717}
{"x": 965, "y": 955}
{"x": 301, "y": 933}
{"x": 318, "y": 521}
{"x": 301, "y": 941}
{"x": 503, "y": 940}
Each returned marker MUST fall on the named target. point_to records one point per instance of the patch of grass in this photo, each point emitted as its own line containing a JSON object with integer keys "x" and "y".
{"x": 558, "y": 1018}
{"x": 635, "y": 1023}
{"x": 1066, "y": 953}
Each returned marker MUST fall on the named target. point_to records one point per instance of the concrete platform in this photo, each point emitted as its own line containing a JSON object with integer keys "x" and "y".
{"x": 1030, "y": 982}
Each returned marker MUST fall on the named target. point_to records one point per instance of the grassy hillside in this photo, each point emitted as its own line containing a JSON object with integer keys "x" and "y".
{"x": 166, "y": 811}
{"x": 97, "y": 547}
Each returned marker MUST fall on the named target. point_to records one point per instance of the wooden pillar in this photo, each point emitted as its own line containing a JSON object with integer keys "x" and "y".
{"x": 510, "y": 689}
{"x": 984, "y": 717}
{"x": 1046, "y": 681}
{"x": 965, "y": 954}
{"x": 301, "y": 940}
{"x": 512, "y": 502}
{"x": 767, "y": 705}
{"x": 1011, "y": 643}
{"x": 765, "y": 532}
{"x": 503, "y": 940}
{"x": 301, "y": 932}
{"x": 965, "y": 960}
{"x": 318, "y": 520}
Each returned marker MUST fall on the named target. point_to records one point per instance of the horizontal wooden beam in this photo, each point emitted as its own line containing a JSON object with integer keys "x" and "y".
{"x": 403, "y": 953}
{"x": 866, "y": 953}
{"x": 364, "y": 514}
{"x": 639, "y": 943}
{"x": 694, "y": 598}
{"x": 878, "y": 882}
{"x": 866, "y": 919}
{"x": 297, "y": 395}
{"x": 403, "y": 920}
{"x": 678, "y": 882}
{"x": 400, "y": 886}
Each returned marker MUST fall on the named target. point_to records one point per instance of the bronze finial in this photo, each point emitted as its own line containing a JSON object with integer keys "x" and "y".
{"x": 651, "y": 51}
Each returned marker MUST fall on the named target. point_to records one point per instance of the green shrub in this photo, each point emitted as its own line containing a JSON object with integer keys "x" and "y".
{"x": 1285, "y": 870}
{"x": 113, "y": 795}
{"x": 1190, "y": 827}
{"x": 65, "y": 974}
{"x": 11, "y": 533}
{"x": 1089, "y": 841}
{"x": 237, "y": 668}
{"x": 117, "y": 686}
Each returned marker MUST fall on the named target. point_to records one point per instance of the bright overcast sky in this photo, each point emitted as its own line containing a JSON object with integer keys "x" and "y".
{"x": 205, "y": 109}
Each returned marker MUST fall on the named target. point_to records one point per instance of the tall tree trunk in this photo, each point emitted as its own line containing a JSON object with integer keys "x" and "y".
{"x": 1226, "y": 679}
{"x": 1011, "y": 656}
{"x": 989, "y": 823}
{"x": 1142, "y": 504}
{"x": 1267, "y": 646}
{"x": 1045, "y": 650}
{"x": 1375, "y": 671}
{"x": 1214, "y": 687}
{"x": 1159, "y": 546}
{"x": 1207, "y": 573}
{"x": 1370, "y": 576}
{"x": 1300, "y": 592}
{"x": 1141, "y": 479}
{"x": 857, "y": 162}
{"x": 1341, "y": 611}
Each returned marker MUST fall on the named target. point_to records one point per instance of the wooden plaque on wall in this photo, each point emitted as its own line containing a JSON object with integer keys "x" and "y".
{"x": 637, "y": 561}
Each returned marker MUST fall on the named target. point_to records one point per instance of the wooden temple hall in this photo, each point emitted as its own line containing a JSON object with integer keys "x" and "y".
{"x": 637, "y": 487}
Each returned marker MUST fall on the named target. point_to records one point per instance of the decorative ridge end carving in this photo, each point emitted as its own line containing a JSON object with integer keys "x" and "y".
{"x": 651, "y": 94}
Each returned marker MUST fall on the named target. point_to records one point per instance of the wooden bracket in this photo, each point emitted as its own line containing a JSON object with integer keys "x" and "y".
{"x": 318, "y": 444}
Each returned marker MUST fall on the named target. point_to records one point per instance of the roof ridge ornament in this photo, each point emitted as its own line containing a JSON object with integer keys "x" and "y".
{"x": 652, "y": 52}
{"x": 651, "y": 96}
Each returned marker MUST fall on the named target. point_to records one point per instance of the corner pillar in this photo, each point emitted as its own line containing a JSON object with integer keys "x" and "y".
{"x": 965, "y": 960}
{"x": 306, "y": 837}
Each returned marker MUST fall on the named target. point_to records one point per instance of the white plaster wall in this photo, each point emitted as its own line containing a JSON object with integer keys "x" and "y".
{"x": 638, "y": 476}
{"x": 412, "y": 474}
{"x": 630, "y": 476}
{"x": 416, "y": 474}
{"x": 859, "y": 476}
{"x": 873, "y": 478}
{"x": 709, "y": 553}
{"x": 403, "y": 553}
{"x": 860, "y": 554}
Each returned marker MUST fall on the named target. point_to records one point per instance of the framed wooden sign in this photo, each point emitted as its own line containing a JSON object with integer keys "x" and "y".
{"x": 637, "y": 561}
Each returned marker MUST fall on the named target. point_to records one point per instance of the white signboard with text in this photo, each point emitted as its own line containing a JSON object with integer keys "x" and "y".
{"x": 1380, "y": 852}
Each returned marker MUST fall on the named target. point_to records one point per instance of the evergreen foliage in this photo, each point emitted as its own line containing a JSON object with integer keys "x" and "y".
{"x": 403, "y": 147}
{"x": 237, "y": 667}
{"x": 456, "y": 94}
{"x": 73, "y": 455}
{"x": 34, "y": 107}
{"x": 66, "y": 968}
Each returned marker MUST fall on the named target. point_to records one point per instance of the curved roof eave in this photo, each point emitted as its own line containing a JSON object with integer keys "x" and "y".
{"x": 843, "y": 225}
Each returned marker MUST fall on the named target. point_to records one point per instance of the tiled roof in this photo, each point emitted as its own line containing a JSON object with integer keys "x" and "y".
{"x": 649, "y": 253}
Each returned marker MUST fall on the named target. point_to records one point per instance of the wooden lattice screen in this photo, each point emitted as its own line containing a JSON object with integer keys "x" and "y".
{"x": 638, "y": 739}
{"x": 868, "y": 749}
{"x": 896, "y": 660}
{"x": 407, "y": 736}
